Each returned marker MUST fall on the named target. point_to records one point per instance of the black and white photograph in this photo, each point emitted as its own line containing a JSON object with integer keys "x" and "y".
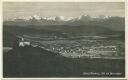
{"x": 63, "y": 39}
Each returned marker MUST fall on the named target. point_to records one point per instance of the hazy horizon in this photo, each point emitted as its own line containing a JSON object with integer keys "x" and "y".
{"x": 68, "y": 9}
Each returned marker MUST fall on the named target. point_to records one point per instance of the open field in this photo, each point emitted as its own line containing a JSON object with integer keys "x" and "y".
{"x": 93, "y": 48}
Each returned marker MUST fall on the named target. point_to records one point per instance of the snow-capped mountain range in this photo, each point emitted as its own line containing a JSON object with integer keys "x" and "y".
{"x": 58, "y": 18}
{"x": 112, "y": 22}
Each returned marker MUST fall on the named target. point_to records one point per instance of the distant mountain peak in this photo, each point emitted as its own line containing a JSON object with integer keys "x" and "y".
{"x": 37, "y": 17}
{"x": 113, "y": 22}
{"x": 61, "y": 18}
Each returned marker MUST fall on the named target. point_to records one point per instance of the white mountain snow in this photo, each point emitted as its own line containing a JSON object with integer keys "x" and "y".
{"x": 61, "y": 18}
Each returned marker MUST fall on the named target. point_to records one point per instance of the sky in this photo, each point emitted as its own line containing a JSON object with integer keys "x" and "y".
{"x": 67, "y": 9}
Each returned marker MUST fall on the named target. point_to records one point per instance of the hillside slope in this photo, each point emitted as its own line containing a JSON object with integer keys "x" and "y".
{"x": 8, "y": 39}
{"x": 37, "y": 62}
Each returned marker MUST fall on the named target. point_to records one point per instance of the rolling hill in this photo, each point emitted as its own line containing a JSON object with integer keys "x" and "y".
{"x": 9, "y": 39}
{"x": 37, "y": 62}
